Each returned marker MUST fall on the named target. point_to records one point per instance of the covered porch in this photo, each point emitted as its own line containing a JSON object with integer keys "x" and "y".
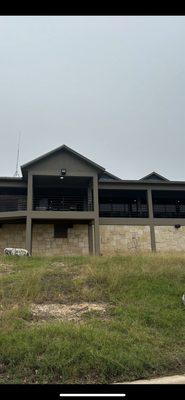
{"x": 123, "y": 203}
{"x": 168, "y": 203}
{"x": 61, "y": 193}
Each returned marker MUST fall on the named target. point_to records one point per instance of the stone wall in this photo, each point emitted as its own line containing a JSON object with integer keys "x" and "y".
{"x": 44, "y": 243}
{"x": 114, "y": 239}
{"x": 120, "y": 239}
{"x": 12, "y": 235}
{"x": 169, "y": 238}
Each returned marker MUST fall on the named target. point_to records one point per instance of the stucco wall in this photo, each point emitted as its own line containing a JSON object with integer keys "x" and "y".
{"x": 12, "y": 235}
{"x": 44, "y": 243}
{"x": 120, "y": 239}
{"x": 169, "y": 238}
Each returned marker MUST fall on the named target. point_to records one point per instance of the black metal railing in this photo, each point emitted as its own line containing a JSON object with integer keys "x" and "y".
{"x": 13, "y": 203}
{"x": 62, "y": 203}
{"x": 113, "y": 210}
{"x": 168, "y": 211}
{"x": 10, "y": 203}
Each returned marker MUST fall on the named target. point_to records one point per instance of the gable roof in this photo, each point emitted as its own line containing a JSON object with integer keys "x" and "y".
{"x": 154, "y": 176}
{"x": 62, "y": 148}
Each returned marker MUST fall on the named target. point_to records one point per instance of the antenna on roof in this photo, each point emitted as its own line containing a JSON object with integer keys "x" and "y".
{"x": 16, "y": 174}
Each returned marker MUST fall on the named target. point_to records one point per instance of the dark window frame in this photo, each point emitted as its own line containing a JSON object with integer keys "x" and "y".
{"x": 60, "y": 231}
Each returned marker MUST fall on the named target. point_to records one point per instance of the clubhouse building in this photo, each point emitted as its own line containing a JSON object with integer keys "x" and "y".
{"x": 66, "y": 204}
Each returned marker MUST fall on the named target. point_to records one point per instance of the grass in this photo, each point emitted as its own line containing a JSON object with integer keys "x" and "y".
{"x": 142, "y": 334}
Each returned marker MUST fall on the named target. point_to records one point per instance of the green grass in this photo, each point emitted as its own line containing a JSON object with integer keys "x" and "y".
{"x": 142, "y": 334}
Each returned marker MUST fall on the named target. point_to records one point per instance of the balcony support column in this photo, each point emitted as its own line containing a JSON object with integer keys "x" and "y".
{"x": 96, "y": 238}
{"x": 29, "y": 210}
{"x": 90, "y": 238}
{"x": 29, "y": 234}
{"x": 151, "y": 216}
{"x": 96, "y": 214}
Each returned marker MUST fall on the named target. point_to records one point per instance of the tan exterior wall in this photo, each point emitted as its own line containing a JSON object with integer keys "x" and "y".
{"x": 120, "y": 239}
{"x": 12, "y": 235}
{"x": 114, "y": 239}
{"x": 44, "y": 243}
{"x": 169, "y": 238}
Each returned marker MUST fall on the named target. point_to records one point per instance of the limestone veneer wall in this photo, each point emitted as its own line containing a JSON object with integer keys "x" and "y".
{"x": 114, "y": 239}
{"x": 44, "y": 243}
{"x": 169, "y": 238}
{"x": 12, "y": 235}
{"x": 120, "y": 239}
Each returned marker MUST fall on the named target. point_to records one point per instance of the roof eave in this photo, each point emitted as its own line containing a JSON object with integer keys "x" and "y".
{"x": 63, "y": 147}
{"x": 146, "y": 177}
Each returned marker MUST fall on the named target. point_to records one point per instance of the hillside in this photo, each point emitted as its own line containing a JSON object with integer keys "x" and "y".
{"x": 90, "y": 319}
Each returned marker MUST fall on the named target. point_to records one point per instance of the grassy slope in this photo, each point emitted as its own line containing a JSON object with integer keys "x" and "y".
{"x": 142, "y": 335}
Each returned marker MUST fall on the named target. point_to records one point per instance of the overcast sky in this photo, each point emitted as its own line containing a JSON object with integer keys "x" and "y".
{"x": 112, "y": 88}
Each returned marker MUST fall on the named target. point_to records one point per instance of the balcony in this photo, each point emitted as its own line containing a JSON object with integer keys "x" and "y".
{"x": 123, "y": 204}
{"x": 168, "y": 204}
{"x": 69, "y": 194}
{"x": 169, "y": 211}
{"x": 123, "y": 211}
{"x": 13, "y": 203}
{"x": 62, "y": 203}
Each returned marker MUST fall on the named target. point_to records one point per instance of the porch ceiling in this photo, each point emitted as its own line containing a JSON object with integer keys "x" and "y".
{"x": 67, "y": 181}
{"x": 64, "y": 221}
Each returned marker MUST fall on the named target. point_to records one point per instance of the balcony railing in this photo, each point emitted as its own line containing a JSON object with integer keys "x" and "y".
{"x": 113, "y": 210}
{"x": 65, "y": 203}
{"x": 13, "y": 203}
{"x": 10, "y": 203}
{"x": 169, "y": 211}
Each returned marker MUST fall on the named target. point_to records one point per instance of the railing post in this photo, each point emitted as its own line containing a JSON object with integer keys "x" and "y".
{"x": 150, "y": 204}
{"x": 30, "y": 193}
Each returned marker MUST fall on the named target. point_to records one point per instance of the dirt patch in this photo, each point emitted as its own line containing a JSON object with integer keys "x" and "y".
{"x": 5, "y": 269}
{"x": 65, "y": 312}
{"x": 2, "y": 368}
{"x": 58, "y": 264}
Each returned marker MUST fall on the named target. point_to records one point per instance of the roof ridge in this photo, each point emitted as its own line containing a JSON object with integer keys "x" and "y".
{"x": 157, "y": 175}
{"x": 63, "y": 147}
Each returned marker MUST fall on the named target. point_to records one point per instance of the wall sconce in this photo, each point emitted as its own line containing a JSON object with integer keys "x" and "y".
{"x": 177, "y": 226}
{"x": 62, "y": 173}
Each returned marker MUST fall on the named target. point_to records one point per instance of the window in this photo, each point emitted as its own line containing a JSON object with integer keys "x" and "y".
{"x": 60, "y": 231}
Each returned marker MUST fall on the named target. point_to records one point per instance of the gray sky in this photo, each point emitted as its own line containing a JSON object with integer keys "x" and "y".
{"x": 112, "y": 88}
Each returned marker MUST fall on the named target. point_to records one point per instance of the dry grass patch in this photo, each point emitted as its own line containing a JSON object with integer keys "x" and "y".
{"x": 69, "y": 312}
{"x": 5, "y": 269}
{"x": 58, "y": 264}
